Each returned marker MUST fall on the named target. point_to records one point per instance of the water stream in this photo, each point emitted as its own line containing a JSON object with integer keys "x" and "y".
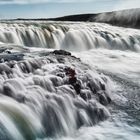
{"x": 38, "y": 100}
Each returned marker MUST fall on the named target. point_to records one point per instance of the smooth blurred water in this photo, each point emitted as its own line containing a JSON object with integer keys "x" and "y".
{"x": 69, "y": 35}
{"x": 123, "y": 68}
{"x": 36, "y": 100}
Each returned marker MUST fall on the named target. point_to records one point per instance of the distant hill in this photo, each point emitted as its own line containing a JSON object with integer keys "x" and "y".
{"x": 126, "y": 18}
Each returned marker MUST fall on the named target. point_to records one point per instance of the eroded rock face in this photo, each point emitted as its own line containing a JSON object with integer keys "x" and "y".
{"x": 62, "y": 96}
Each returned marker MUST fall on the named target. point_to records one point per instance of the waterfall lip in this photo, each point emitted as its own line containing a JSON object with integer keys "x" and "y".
{"x": 13, "y": 48}
{"x": 69, "y": 36}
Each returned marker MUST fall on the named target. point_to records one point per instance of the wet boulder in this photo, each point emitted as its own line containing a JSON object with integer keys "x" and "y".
{"x": 61, "y": 52}
{"x": 11, "y": 56}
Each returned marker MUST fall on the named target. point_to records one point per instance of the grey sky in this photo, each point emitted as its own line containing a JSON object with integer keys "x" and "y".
{"x": 54, "y": 8}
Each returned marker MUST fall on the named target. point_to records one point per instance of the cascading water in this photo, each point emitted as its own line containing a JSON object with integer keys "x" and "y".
{"x": 53, "y": 95}
{"x": 82, "y": 36}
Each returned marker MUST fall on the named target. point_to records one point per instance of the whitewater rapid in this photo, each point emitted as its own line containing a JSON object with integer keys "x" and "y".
{"x": 37, "y": 100}
{"x": 69, "y": 36}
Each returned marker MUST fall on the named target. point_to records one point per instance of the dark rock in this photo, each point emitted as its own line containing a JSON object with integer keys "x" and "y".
{"x": 60, "y": 60}
{"x": 73, "y": 79}
{"x": 20, "y": 98}
{"x": 71, "y": 72}
{"x": 8, "y": 91}
{"x": 77, "y": 87}
{"x": 85, "y": 94}
{"x": 62, "y": 75}
{"x": 102, "y": 86}
{"x": 10, "y": 57}
{"x": 104, "y": 99}
{"x": 8, "y": 52}
{"x": 2, "y": 49}
{"x": 61, "y": 52}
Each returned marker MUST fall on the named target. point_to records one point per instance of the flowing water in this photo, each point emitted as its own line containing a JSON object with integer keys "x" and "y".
{"x": 37, "y": 100}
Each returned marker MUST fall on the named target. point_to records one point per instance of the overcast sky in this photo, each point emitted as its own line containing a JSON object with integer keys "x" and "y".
{"x": 54, "y": 8}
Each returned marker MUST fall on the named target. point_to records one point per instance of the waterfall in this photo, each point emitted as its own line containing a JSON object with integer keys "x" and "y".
{"x": 70, "y": 36}
{"x": 39, "y": 99}
{"x": 50, "y": 94}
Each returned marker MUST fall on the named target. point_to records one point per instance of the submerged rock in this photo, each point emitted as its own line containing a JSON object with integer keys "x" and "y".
{"x": 2, "y": 49}
{"x": 11, "y": 56}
